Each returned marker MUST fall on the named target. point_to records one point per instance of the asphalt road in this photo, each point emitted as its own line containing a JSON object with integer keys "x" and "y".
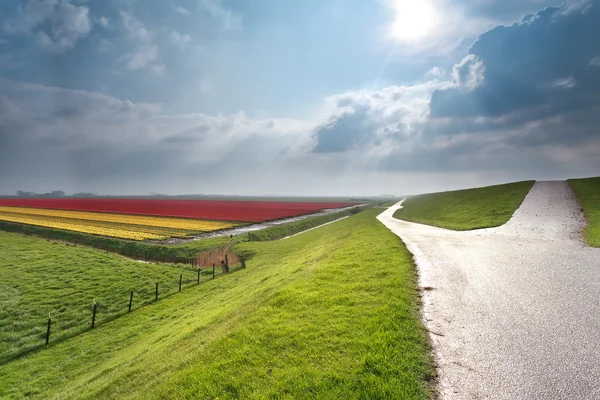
{"x": 514, "y": 311}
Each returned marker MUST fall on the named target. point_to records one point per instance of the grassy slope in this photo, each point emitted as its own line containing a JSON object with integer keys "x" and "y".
{"x": 588, "y": 195}
{"x": 39, "y": 277}
{"x": 332, "y": 313}
{"x": 466, "y": 209}
{"x": 283, "y": 230}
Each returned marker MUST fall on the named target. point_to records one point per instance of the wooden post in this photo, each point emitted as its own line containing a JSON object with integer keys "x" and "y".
{"x": 130, "y": 300}
{"x": 213, "y": 270}
{"x": 156, "y": 293}
{"x": 180, "y": 280}
{"x": 94, "y": 314}
{"x": 198, "y": 275}
{"x": 48, "y": 329}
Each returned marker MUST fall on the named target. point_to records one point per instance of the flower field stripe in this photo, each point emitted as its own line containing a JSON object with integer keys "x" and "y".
{"x": 180, "y": 224}
{"x": 241, "y": 211}
{"x": 59, "y": 223}
{"x": 168, "y": 232}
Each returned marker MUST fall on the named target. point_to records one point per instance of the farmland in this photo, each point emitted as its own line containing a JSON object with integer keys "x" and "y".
{"x": 332, "y": 313}
{"x": 238, "y": 211}
{"x": 145, "y": 219}
{"x": 113, "y": 225}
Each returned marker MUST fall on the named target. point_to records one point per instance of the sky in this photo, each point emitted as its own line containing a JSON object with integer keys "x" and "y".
{"x": 314, "y": 97}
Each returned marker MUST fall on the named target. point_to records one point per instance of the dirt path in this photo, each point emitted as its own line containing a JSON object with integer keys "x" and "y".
{"x": 515, "y": 311}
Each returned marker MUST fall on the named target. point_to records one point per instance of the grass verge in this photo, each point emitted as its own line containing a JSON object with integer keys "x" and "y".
{"x": 587, "y": 192}
{"x": 462, "y": 210}
{"x": 38, "y": 277}
{"x": 289, "y": 229}
{"x": 332, "y": 313}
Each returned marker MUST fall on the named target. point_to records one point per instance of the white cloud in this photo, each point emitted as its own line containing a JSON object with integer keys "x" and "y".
{"x": 182, "y": 10}
{"x": 103, "y": 21}
{"x": 469, "y": 73}
{"x": 158, "y": 69}
{"x": 67, "y": 23}
{"x": 227, "y": 18}
{"x": 595, "y": 62}
{"x": 140, "y": 58}
{"x": 435, "y": 72}
{"x": 179, "y": 40}
{"x": 135, "y": 28}
{"x": 568, "y": 82}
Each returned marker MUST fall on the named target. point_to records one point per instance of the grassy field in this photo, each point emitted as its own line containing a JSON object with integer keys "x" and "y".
{"x": 332, "y": 313}
{"x": 588, "y": 195}
{"x": 466, "y": 209}
{"x": 39, "y": 277}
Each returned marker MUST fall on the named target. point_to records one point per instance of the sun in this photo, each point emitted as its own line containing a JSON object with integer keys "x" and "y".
{"x": 415, "y": 19}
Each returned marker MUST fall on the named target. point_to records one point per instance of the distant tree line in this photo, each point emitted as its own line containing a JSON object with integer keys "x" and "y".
{"x": 54, "y": 193}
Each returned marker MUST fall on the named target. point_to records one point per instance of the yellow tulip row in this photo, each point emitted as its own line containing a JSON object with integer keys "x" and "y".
{"x": 194, "y": 225}
{"x": 66, "y": 224}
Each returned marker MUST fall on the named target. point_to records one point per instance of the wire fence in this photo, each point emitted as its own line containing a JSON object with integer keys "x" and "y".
{"x": 56, "y": 329}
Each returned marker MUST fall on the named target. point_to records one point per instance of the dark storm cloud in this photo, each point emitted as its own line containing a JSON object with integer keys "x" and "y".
{"x": 508, "y": 9}
{"x": 543, "y": 61}
{"x": 345, "y": 132}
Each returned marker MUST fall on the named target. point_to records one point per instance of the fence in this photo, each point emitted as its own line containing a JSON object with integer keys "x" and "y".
{"x": 158, "y": 290}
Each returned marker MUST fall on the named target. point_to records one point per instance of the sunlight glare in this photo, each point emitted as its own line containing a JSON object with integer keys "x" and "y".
{"x": 415, "y": 19}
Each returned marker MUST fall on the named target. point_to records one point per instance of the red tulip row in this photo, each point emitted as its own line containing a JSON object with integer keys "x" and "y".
{"x": 242, "y": 211}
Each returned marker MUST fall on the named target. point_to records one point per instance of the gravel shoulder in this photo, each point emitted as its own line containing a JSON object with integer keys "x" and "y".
{"x": 514, "y": 311}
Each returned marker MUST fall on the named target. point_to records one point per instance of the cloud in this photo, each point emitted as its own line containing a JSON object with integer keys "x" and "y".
{"x": 182, "y": 10}
{"x": 179, "y": 40}
{"x": 134, "y": 28}
{"x": 158, "y": 69}
{"x": 103, "y": 21}
{"x": 227, "y": 18}
{"x": 361, "y": 119}
{"x": 141, "y": 58}
{"x": 144, "y": 53}
{"x": 58, "y": 25}
{"x": 542, "y": 62}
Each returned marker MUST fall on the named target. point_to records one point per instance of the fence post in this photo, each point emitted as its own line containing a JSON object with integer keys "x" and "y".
{"x": 156, "y": 293}
{"x": 213, "y": 270}
{"x": 130, "y": 300}
{"x": 198, "y": 275}
{"x": 94, "y": 314}
{"x": 48, "y": 329}
{"x": 180, "y": 279}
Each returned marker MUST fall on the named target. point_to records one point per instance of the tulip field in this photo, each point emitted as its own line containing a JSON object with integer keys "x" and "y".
{"x": 148, "y": 219}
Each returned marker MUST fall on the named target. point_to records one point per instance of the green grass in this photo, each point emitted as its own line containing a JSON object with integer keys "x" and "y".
{"x": 332, "y": 313}
{"x": 129, "y": 248}
{"x": 462, "y": 210}
{"x": 588, "y": 194}
{"x": 38, "y": 277}
{"x": 291, "y": 228}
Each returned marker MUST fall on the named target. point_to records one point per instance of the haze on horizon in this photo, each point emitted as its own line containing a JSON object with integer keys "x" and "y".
{"x": 319, "y": 97}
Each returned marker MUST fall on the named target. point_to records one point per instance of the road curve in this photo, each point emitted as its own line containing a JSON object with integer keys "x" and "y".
{"x": 514, "y": 311}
